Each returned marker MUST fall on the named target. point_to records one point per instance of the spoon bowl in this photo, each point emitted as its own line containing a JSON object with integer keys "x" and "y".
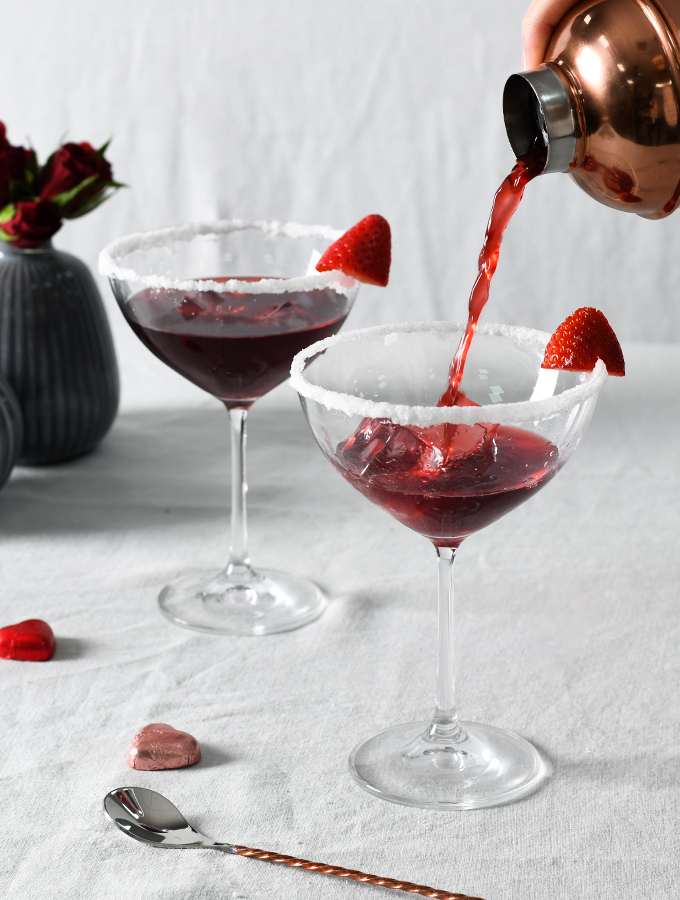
{"x": 151, "y": 818}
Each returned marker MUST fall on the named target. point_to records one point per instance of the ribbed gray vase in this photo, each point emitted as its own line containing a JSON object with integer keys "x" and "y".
{"x": 56, "y": 352}
{"x": 11, "y": 430}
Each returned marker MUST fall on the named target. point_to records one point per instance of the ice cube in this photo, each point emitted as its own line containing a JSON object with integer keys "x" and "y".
{"x": 270, "y": 311}
{"x": 379, "y": 447}
{"x": 189, "y": 308}
{"x": 466, "y": 450}
{"x": 197, "y": 302}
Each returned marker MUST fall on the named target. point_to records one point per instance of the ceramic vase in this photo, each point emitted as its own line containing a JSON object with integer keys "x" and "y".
{"x": 11, "y": 430}
{"x": 56, "y": 352}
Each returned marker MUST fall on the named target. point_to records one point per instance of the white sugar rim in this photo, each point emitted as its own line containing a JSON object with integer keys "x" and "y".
{"x": 111, "y": 267}
{"x": 501, "y": 414}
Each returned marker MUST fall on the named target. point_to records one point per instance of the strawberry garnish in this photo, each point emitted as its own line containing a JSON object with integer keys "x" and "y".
{"x": 581, "y": 340}
{"x": 364, "y": 252}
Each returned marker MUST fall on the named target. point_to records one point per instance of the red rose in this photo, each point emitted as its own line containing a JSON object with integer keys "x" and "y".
{"x": 15, "y": 162}
{"x": 5, "y": 191}
{"x": 69, "y": 167}
{"x": 33, "y": 223}
{"x": 17, "y": 159}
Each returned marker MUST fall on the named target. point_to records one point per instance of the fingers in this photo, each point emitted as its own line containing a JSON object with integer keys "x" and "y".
{"x": 538, "y": 26}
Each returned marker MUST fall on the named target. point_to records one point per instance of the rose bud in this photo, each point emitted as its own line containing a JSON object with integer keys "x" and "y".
{"x": 5, "y": 187}
{"x": 16, "y": 164}
{"x": 75, "y": 178}
{"x": 32, "y": 223}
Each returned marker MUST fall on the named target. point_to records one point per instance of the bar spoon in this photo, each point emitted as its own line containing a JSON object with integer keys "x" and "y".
{"x": 151, "y": 818}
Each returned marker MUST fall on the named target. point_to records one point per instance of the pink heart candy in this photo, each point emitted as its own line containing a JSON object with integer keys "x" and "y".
{"x": 31, "y": 640}
{"x": 160, "y": 746}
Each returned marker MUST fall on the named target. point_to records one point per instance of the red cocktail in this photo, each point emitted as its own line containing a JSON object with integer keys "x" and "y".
{"x": 236, "y": 346}
{"x": 445, "y": 472}
{"x": 228, "y": 305}
{"x": 445, "y": 485}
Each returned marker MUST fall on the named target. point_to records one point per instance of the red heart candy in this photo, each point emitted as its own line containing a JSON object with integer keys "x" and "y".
{"x": 32, "y": 640}
{"x": 160, "y": 746}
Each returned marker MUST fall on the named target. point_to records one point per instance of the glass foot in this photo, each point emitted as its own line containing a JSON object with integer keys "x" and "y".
{"x": 243, "y": 602}
{"x": 482, "y": 766}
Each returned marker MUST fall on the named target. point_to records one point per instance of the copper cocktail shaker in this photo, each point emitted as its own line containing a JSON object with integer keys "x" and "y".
{"x": 607, "y": 101}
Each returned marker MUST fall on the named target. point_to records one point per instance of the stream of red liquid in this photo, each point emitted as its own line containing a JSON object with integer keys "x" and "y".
{"x": 506, "y": 201}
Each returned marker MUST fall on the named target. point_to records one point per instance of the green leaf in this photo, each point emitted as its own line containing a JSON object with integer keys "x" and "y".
{"x": 63, "y": 199}
{"x": 7, "y": 213}
{"x": 93, "y": 202}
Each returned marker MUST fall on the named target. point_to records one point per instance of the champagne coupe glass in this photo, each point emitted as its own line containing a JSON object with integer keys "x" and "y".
{"x": 370, "y": 398}
{"x": 228, "y": 304}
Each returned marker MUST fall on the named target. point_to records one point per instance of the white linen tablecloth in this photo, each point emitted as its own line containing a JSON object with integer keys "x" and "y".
{"x": 567, "y": 632}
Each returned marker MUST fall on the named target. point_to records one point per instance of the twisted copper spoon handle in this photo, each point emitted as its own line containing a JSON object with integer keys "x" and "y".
{"x": 353, "y": 874}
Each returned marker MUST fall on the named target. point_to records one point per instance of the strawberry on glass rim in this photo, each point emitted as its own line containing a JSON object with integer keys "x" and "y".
{"x": 583, "y": 338}
{"x": 364, "y": 252}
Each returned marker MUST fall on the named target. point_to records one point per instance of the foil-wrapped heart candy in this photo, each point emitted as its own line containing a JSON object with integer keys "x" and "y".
{"x": 160, "y": 746}
{"x": 31, "y": 640}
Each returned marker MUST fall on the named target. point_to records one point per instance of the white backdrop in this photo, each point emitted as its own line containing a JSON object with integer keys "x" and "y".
{"x": 324, "y": 112}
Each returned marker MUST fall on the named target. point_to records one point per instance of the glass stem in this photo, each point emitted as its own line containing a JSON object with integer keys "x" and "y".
{"x": 445, "y": 727}
{"x": 239, "y": 561}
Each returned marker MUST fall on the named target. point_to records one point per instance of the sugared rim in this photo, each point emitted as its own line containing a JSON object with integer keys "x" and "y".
{"x": 501, "y": 413}
{"x": 110, "y": 258}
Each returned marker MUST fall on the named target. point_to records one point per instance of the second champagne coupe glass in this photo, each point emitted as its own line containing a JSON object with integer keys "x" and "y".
{"x": 371, "y": 400}
{"x": 228, "y": 305}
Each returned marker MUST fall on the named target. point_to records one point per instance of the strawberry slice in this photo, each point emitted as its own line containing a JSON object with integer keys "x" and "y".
{"x": 581, "y": 340}
{"x": 364, "y": 252}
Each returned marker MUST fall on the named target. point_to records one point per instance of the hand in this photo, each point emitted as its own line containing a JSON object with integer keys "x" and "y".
{"x": 539, "y": 23}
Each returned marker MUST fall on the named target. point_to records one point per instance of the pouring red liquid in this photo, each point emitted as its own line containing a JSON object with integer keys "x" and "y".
{"x": 449, "y": 481}
{"x": 508, "y": 197}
